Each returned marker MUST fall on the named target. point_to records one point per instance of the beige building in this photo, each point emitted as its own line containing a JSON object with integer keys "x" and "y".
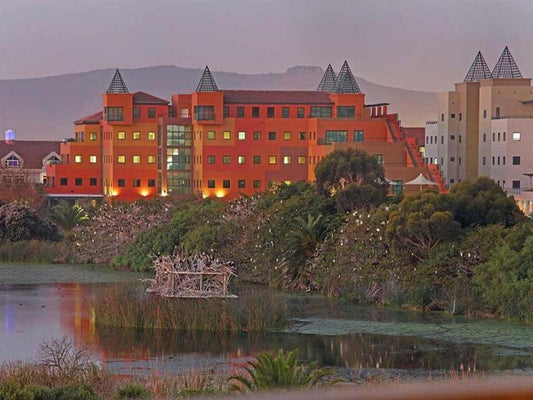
{"x": 485, "y": 128}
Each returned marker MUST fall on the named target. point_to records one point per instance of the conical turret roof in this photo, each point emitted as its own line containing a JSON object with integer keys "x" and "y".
{"x": 478, "y": 70}
{"x": 207, "y": 82}
{"x": 346, "y": 82}
{"x": 328, "y": 82}
{"x": 506, "y": 67}
{"x": 117, "y": 84}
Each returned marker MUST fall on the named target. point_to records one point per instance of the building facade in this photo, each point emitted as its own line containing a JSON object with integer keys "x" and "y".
{"x": 226, "y": 143}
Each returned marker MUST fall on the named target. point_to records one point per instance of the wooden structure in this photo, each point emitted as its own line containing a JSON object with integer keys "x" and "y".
{"x": 199, "y": 276}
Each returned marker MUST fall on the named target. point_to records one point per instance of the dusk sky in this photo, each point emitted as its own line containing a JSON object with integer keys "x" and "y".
{"x": 413, "y": 44}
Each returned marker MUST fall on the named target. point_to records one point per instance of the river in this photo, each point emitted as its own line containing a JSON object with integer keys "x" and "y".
{"x": 40, "y": 302}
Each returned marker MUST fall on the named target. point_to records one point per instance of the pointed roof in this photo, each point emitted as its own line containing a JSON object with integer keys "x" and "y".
{"x": 346, "y": 82}
{"x": 420, "y": 180}
{"x": 328, "y": 82}
{"x": 207, "y": 82}
{"x": 478, "y": 70}
{"x": 117, "y": 84}
{"x": 506, "y": 67}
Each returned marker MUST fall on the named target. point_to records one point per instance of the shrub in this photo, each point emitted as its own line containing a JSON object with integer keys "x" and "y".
{"x": 18, "y": 221}
{"x": 131, "y": 391}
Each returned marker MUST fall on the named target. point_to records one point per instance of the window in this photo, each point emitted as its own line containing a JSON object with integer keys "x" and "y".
{"x": 226, "y": 135}
{"x": 493, "y": 136}
{"x": 240, "y": 112}
{"x": 121, "y": 135}
{"x": 345, "y": 112}
{"x": 300, "y": 113}
{"x": 63, "y": 181}
{"x": 460, "y": 116}
{"x": 484, "y": 160}
{"x": 257, "y": 135}
{"x": 211, "y": 159}
{"x": 271, "y": 160}
{"x": 211, "y": 183}
{"x": 226, "y": 184}
{"x": 503, "y": 160}
{"x": 136, "y": 159}
{"x": 241, "y": 159}
{"x": 136, "y": 182}
{"x": 442, "y": 117}
{"x": 114, "y": 113}
{"x": 499, "y": 136}
{"x": 484, "y": 137}
{"x": 78, "y": 159}
{"x": 241, "y": 135}
{"x": 452, "y": 159}
{"x": 257, "y": 159}
{"x": 287, "y": 135}
{"x": 460, "y": 138}
{"x": 493, "y": 160}
{"x": 226, "y": 159}
{"x": 93, "y": 136}
{"x": 121, "y": 182}
{"x": 302, "y": 136}
{"x": 136, "y": 112}
{"x": 151, "y": 112}
{"x": 225, "y": 110}
{"x": 151, "y": 159}
{"x": 92, "y": 159}
{"x": 459, "y": 160}
{"x": 452, "y": 115}
{"x": 397, "y": 187}
{"x": 93, "y": 181}
{"x": 442, "y": 139}
{"x": 301, "y": 160}
{"x": 257, "y": 184}
{"x": 286, "y": 160}
{"x": 241, "y": 184}
{"x": 121, "y": 159}
{"x": 516, "y": 136}
{"x": 452, "y": 137}
{"x": 271, "y": 135}
{"x": 78, "y": 181}
{"x": 484, "y": 113}
{"x": 151, "y": 135}
{"x": 336, "y": 136}
{"x": 504, "y": 136}
{"x": 270, "y": 112}
{"x": 379, "y": 158}
{"x": 151, "y": 182}
{"x": 272, "y": 184}
{"x": 211, "y": 135}
{"x": 516, "y": 184}
{"x": 255, "y": 112}
{"x": 136, "y": 135}
{"x": 516, "y": 160}
{"x": 320, "y": 112}
{"x": 358, "y": 136}
{"x": 497, "y": 112}
{"x": 204, "y": 113}
{"x": 285, "y": 112}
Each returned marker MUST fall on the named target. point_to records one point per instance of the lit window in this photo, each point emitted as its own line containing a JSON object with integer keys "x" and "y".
{"x": 226, "y": 159}
{"x": 517, "y": 135}
{"x": 257, "y": 159}
{"x": 257, "y": 135}
{"x": 151, "y": 135}
{"x": 301, "y": 160}
{"x": 121, "y": 159}
{"x": 242, "y": 135}
{"x": 121, "y": 135}
{"x": 287, "y": 135}
{"x": 136, "y": 135}
{"x": 136, "y": 159}
{"x": 226, "y": 135}
{"x": 241, "y": 159}
{"x": 286, "y": 159}
{"x": 271, "y": 159}
{"x": 92, "y": 159}
{"x": 211, "y": 159}
{"x": 78, "y": 159}
{"x": 211, "y": 135}
{"x": 302, "y": 136}
{"x": 93, "y": 136}
{"x": 151, "y": 159}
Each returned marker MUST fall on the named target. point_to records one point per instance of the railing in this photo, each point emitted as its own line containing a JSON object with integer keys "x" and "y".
{"x": 512, "y": 116}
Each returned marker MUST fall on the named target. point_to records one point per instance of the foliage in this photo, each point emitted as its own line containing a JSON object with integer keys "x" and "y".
{"x": 281, "y": 371}
{"x": 12, "y": 391}
{"x": 33, "y": 251}
{"x": 67, "y": 216}
{"x": 18, "y": 221}
{"x": 131, "y": 391}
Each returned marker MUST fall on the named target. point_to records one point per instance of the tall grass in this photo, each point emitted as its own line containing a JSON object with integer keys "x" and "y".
{"x": 129, "y": 306}
{"x": 33, "y": 251}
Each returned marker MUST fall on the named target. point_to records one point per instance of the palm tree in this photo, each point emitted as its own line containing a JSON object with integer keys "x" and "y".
{"x": 268, "y": 372}
{"x": 67, "y": 216}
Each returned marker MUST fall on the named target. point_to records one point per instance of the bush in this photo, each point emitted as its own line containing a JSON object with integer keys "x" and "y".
{"x": 18, "y": 221}
{"x": 131, "y": 391}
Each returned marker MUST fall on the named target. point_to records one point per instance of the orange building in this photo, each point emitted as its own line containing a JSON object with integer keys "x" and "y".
{"x": 225, "y": 143}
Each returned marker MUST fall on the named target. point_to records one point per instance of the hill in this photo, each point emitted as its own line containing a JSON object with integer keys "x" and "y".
{"x": 44, "y": 108}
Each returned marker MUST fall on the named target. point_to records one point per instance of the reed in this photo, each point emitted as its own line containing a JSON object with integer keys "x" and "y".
{"x": 33, "y": 251}
{"x": 129, "y": 306}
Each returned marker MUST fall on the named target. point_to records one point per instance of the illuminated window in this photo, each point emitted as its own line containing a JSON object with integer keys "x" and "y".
{"x": 271, "y": 160}
{"x": 302, "y": 136}
{"x": 78, "y": 159}
{"x": 226, "y": 135}
{"x": 226, "y": 184}
{"x": 517, "y": 136}
{"x": 241, "y": 159}
{"x": 241, "y": 184}
{"x": 136, "y": 159}
{"x": 121, "y": 135}
{"x": 257, "y": 135}
{"x": 242, "y": 135}
{"x": 286, "y": 159}
{"x": 272, "y": 184}
{"x": 92, "y": 159}
{"x": 151, "y": 159}
{"x": 151, "y": 135}
{"x": 211, "y": 135}
{"x": 301, "y": 160}
{"x": 136, "y": 135}
{"x": 93, "y": 136}
{"x": 287, "y": 135}
{"x": 211, "y": 159}
{"x": 226, "y": 159}
{"x": 257, "y": 159}
{"x": 121, "y": 159}
{"x": 211, "y": 183}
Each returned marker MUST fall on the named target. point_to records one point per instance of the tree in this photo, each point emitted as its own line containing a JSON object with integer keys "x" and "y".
{"x": 67, "y": 216}
{"x": 353, "y": 176}
{"x": 18, "y": 221}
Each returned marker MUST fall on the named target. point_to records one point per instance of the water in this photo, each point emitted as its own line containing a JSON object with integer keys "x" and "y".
{"x": 39, "y": 302}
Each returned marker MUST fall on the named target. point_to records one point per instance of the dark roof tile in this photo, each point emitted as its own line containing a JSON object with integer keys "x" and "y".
{"x": 31, "y": 151}
{"x": 145, "y": 98}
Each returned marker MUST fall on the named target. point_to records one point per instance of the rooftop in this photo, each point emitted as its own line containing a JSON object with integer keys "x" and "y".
{"x": 276, "y": 97}
{"x": 31, "y": 151}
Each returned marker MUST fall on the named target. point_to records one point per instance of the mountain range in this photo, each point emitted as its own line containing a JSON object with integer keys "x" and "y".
{"x": 45, "y": 108}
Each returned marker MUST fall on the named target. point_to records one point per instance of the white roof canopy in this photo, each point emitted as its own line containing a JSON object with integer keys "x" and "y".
{"x": 420, "y": 180}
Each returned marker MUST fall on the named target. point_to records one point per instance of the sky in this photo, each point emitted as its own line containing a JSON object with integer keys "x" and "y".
{"x": 412, "y": 44}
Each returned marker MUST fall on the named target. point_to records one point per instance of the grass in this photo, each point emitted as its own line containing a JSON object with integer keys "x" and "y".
{"x": 33, "y": 251}
{"x": 128, "y": 306}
